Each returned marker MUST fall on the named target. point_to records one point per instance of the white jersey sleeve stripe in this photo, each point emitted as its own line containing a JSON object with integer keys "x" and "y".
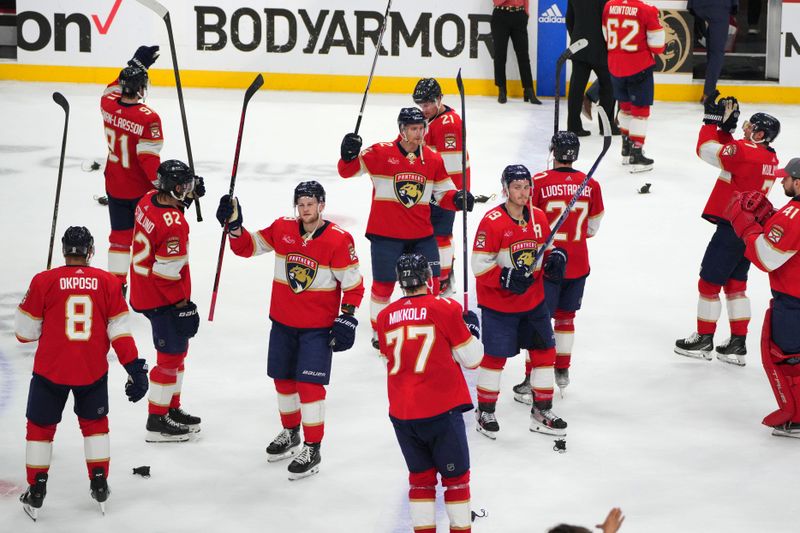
{"x": 469, "y": 354}
{"x": 169, "y": 268}
{"x": 709, "y": 152}
{"x": 770, "y": 256}
{"x": 26, "y": 327}
{"x": 118, "y": 326}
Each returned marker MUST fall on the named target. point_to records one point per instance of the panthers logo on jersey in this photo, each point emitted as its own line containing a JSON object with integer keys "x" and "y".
{"x": 523, "y": 253}
{"x": 409, "y": 188}
{"x": 300, "y": 272}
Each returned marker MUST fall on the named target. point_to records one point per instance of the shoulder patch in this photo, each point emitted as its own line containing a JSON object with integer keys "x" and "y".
{"x": 450, "y": 141}
{"x": 480, "y": 240}
{"x": 173, "y": 246}
{"x": 155, "y": 130}
{"x": 775, "y": 234}
{"x": 729, "y": 149}
{"x": 352, "y": 251}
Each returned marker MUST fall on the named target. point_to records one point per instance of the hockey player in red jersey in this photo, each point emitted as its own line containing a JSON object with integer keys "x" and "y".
{"x": 633, "y": 35}
{"x": 444, "y": 136}
{"x": 748, "y": 164}
{"x": 161, "y": 289}
{"x": 552, "y": 192}
{"x": 134, "y": 138}
{"x": 424, "y": 339}
{"x": 511, "y": 297}
{"x": 76, "y": 312}
{"x": 406, "y": 177}
{"x": 772, "y": 241}
{"x": 316, "y": 270}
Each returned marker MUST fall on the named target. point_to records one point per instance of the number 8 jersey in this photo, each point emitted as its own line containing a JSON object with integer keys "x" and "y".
{"x": 160, "y": 263}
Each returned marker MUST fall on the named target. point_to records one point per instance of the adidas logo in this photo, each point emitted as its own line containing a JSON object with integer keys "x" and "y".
{"x": 552, "y": 15}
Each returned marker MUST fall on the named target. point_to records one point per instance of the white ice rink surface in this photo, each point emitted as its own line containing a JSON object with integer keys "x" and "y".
{"x": 677, "y": 443}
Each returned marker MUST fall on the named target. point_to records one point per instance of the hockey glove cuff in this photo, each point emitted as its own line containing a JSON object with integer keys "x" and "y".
{"x": 713, "y": 111}
{"x": 144, "y": 57}
{"x": 555, "y": 265}
{"x": 473, "y": 325}
{"x": 137, "y": 384}
{"x": 231, "y": 212}
{"x": 464, "y": 202}
{"x": 343, "y": 332}
{"x": 516, "y": 280}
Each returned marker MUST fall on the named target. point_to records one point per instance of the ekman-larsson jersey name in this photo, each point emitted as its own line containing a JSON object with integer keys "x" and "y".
{"x": 123, "y": 123}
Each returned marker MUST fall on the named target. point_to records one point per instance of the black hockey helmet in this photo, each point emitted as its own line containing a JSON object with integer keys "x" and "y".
{"x": 132, "y": 80}
{"x": 410, "y": 115}
{"x": 427, "y": 90}
{"x": 309, "y": 188}
{"x": 413, "y": 271}
{"x": 77, "y": 241}
{"x": 768, "y": 124}
{"x": 175, "y": 178}
{"x": 514, "y": 173}
{"x": 565, "y": 146}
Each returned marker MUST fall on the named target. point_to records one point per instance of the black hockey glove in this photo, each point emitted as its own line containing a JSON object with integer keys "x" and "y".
{"x": 144, "y": 57}
{"x": 712, "y": 110}
{"x": 198, "y": 192}
{"x": 343, "y": 332}
{"x": 186, "y": 320}
{"x": 351, "y": 146}
{"x": 730, "y": 116}
{"x": 516, "y": 280}
{"x": 555, "y": 265}
{"x": 231, "y": 212}
{"x": 458, "y": 199}
{"x": 137, "y": 384}
{"x": 474, "y": 327}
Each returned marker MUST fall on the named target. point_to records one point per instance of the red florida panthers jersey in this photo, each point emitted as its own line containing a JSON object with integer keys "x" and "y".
{"x": 444, "y": 137}
{"x": 500, "y": 242}
{"x": 312, "y": 276}
{"x": 134, "y": 138}
{"x": 775, "y": 250}
{"x": 744, "y": 165}
{"x": 553, "y": 190}
{"x": 402, "y": 187}
{"x": 160, "y": 262}
{"x": 424, "y": 339}
{"x": 633, "y": 34}
{"x": 75, "y": 312}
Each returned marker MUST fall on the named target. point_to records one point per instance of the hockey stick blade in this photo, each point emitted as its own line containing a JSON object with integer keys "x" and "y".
{"x": 606, "y": 145}
{"x": 577, "y": 46}
{"x": 60, "y": 100}
{"x": 159, "y": 9}
{"x": 254, "y": 87}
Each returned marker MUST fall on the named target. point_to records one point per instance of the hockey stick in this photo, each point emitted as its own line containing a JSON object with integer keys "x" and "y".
{"x": 460, "y": 84}
{"x": 248, "y": 94}
{"x": 606, "y": 144}
{"x": 163, "y": 12}
{"x": 60, "y": 100}
{"x": 372, "y": 70}
{"x": 578, "y": 45}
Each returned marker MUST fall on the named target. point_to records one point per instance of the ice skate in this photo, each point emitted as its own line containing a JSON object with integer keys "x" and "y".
{"x": 286, "y": 444}
{"x": 696, "y": 346}
{"x": 733, "y": 350}
{"x": 306, "y": 463}
{"x": 544, "y": 420}
{"x": 638, "y": 162}
{"x": 562, "y": 379}
{"x": 161, "y": 428}
{"x": 33, "y": 497}
{"x": 626, "y": 150}
{"x": 522, "y": 391}
{"x": 789, "y": 429}
{"x": 98, "y": 488}
{"x": 182, "y": 417}
{"x": 487, "y": 422}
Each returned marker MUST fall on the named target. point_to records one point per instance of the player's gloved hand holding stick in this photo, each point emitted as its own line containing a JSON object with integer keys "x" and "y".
{"x": 137, "y": 384}
{"x": 343, "y": 331}
{"x": 473, "y": 325}
{"x": 463, "y": 200}
{"x": 144, "y": 57}
{"x": 351, "y": 147}
{"x": 712, "y": 111}
{"x": 747, "y": 212}
{"x": 555, "y": 265}
{"x": 198, "y": 191}
{"x": 230, "y": 211}
{"x": 516, "y": 280}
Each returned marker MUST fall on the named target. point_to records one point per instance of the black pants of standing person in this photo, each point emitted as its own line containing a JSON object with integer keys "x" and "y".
{"x": 513, "y": 25}
{"x": 718, "y": 20}
{"x": 577, "y": 85}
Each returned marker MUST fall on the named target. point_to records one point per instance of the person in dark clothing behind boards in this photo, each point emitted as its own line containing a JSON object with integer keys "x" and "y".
{"x": 510, "y": 21}
{"x": 717, "y": 14}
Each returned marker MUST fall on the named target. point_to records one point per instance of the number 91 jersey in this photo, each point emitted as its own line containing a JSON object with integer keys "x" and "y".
{"x": 553, "y": 190}
{"x": 160, "y": 264}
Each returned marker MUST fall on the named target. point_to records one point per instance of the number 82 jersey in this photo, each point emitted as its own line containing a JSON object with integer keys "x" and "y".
{"x": 553, "y": 190}
{"x": 160, "y": 262}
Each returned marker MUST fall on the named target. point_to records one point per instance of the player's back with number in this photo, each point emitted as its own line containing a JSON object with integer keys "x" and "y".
{"x": 424, "y": 339}
{"x": 553, "y": 190}
{"x": 75, "y": 312}
{"x": 134, "y": 137}
{"x": 160, "y": 263}
{"x": 633, "y": 34}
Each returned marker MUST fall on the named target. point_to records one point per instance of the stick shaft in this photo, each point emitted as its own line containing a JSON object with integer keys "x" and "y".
{"x": 460, "y": 83}
{"x": 58, "y": 186}
{"x": 372, "y": 70}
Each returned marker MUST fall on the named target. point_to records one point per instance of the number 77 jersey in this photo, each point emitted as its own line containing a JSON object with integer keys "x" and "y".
{"x": 160, "y": 262}
{"x": 553, "y": 190}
